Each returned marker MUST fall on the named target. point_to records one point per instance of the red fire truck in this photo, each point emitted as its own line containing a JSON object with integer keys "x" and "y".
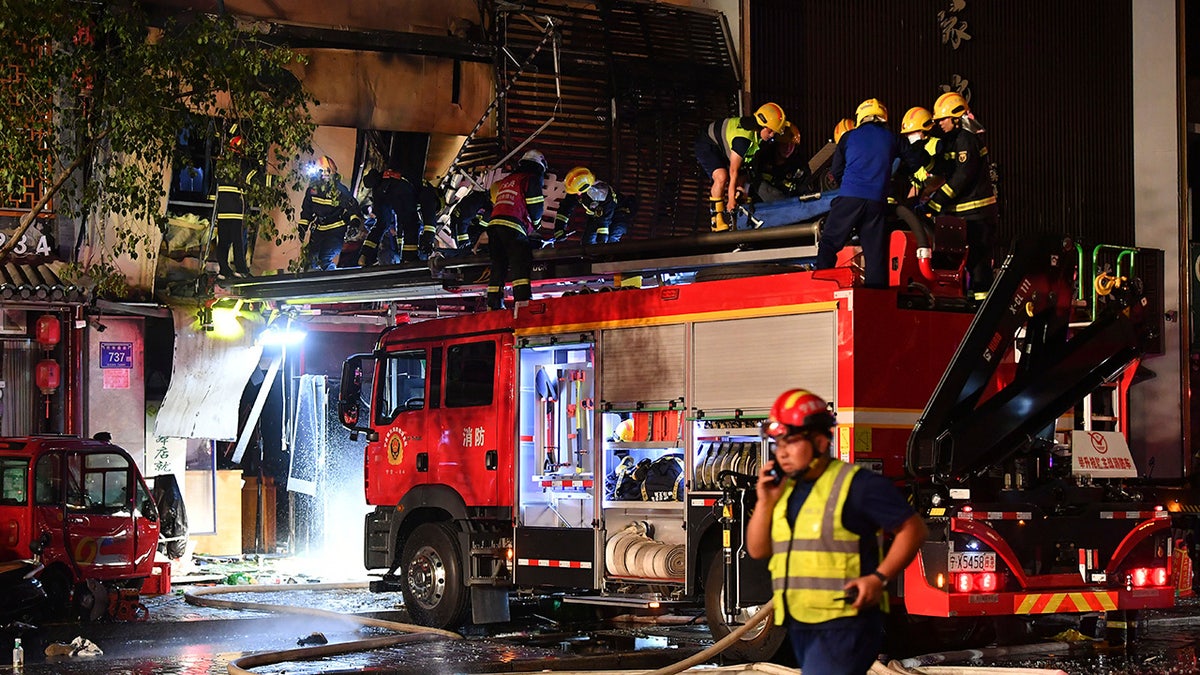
{"x": 502, "y": 446}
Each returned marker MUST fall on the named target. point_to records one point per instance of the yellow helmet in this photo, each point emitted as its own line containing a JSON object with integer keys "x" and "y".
{"x": 950, "y": 104}
{"x": 579, "y": 180}
{"x": 870, "y": 110}
{"x": 842, "y": 127}
{"x": 624, "y": 431}
{"x": 916, "y": 119}
{"x": 771, "y": 116}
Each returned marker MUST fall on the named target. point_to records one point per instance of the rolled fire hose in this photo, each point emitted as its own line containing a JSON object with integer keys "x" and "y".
{"x": 412, "y": 632}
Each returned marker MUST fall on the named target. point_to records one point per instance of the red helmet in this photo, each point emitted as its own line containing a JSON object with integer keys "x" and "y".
{"x": 797, "y": 409}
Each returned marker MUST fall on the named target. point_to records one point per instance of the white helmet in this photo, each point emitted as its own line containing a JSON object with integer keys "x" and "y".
{"x": 536, "y": 157}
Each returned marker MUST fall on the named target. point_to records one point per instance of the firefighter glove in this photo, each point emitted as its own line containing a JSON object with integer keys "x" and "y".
{"x": 425, "y": 243}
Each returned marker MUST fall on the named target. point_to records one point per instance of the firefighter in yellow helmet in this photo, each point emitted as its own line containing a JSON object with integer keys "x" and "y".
{"x": 725, "y": 148}
{"x": 846, "y": 124}
{"x": 862, "y": 164}
{"x": 816, "y": 520}
{"x": 781, "y": 170}
{"x": 607, "y": 214}
{"x": 968, "y": 191}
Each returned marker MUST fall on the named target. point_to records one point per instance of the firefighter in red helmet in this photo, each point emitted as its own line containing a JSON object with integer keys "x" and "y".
{"x": 817, "y": 524}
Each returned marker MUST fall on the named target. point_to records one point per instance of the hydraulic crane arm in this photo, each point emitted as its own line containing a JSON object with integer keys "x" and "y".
{"x": 973, "y": 421}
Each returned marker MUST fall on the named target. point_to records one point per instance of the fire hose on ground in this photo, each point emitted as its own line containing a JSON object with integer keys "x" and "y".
{"x": 922, "y": 665}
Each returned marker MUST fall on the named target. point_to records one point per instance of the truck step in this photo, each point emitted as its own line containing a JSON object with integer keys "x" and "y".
{"x": 639, "y": 601}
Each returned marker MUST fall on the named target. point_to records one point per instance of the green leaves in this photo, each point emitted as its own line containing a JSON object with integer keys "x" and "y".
{"x": 97, "y": 82}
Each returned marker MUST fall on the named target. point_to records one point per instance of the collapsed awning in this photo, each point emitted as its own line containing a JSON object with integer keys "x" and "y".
{"x": 208, "y": 376}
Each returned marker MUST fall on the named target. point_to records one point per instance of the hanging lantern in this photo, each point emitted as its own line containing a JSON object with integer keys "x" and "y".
{"x": 47, "y": 331}
{"x": 47, "y": 376}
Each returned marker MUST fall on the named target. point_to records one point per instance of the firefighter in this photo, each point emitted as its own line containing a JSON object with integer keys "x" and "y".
{"x": 968, "y": 191}
{"x": 780, "y": 171}
{"x": 327, "y": 209}
{"x": 513, "y": 226}
{"x": 430, "y": 204}
{"x": 398, "y": 221}
{"x": 917, "y": 153}
{"x": 846, "y": 124}
{"x": 817, "y": 523}
{"x": 726, "y": 148}
{"x": 608, "y": 214}
{"x": 468, "y": 219}
{"x": 230, "y": 208}
{"x": 862, "y": 164}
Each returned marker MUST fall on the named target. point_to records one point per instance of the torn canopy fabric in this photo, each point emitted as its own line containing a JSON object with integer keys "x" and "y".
{"x": 208, "y": 376}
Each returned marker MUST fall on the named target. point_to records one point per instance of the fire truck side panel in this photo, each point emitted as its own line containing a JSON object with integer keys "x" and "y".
{"x": 890, "y": 359}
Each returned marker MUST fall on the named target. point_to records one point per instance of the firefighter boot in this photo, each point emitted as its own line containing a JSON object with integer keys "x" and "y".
{"x": 720, "y": 217}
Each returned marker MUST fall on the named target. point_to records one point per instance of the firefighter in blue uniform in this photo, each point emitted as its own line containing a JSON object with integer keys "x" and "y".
{"x": 327, "y": 209}
{"x": 393, "y": 239}
{"x": 726, "y": 148}
{"x": 608, "y": 214}
{"x": 862, "y": 165}
{"x": 817, "y": 524}
{"x": 516, "y": 217}
{"x": 968, "y": 191}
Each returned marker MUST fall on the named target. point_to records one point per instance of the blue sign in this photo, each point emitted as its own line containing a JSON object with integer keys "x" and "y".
{"x": 116, "y": 355}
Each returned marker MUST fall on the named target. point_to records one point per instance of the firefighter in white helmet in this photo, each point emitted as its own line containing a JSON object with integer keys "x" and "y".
{"x": 723, "y": 150}
{"x": 817, "y": 523}
{"x": 516, "y": 217}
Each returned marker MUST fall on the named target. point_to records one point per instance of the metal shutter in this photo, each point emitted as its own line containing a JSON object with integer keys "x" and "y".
{"x": 642, "y": 364}
{"x": 746, "y": 363}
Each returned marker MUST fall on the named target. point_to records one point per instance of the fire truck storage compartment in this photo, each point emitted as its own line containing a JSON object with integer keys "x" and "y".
{"x": 556, "y": 485}
{"x": 646, "y": 542}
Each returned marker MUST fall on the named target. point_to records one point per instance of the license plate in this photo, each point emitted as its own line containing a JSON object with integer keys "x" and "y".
{"x": 972, "y": 562}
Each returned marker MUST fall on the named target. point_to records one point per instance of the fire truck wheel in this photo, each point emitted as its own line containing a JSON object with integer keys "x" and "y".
{"x": 57, "y": 585}
{"x": 434, "y": 590}
{"x": 759, "y": 644}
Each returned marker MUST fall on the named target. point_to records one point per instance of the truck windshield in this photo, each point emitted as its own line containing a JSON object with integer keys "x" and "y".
{"x": 401, "y": 385}
{"x": 14, "y": 481}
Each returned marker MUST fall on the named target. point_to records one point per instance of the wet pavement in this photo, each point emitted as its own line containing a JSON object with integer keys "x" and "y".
{"x": 191, "y": 640}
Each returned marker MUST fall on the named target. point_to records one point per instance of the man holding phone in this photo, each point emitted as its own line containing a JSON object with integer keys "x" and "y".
{"x": 817, "y": 522}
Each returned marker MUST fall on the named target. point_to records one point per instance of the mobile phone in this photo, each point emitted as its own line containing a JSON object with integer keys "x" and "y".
{"x": 775, "y": 472}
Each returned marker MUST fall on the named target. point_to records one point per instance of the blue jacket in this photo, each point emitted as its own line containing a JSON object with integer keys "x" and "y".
{"x": 863, "y": 162}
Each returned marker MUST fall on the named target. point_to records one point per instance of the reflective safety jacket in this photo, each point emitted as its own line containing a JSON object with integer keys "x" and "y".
{"x": 811, "y": 562}
{"x": 328, "y": 206}
{"x": 734, "y": 137}
{"x": 968, "y": 190}
{"x": 600, "y": 202}
{"x": 518, "y": 202}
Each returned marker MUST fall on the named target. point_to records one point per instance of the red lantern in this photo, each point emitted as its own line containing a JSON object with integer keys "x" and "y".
{"x": 47, "y": 331}
{"x": 47, "y": 376}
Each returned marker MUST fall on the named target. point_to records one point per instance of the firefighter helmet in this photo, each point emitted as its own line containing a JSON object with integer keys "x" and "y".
{"x": 790, "y": 134}
{"x": 870, "y": 110}
{"x": 579, "y": 180}
{"x": 771, "y": 116}
{"x": 536, "y": 157}
{"x": 237, "y": 144}
{"x": 916, "y": 119}
{"x": 624, "y": 431}
{"x": 796, "y": 410}
{"x": 950, "y": 104}
{"x": 325, "y": 167}
{"x": 842, "y": 127}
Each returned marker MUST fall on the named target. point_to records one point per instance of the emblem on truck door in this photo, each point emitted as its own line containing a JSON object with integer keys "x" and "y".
{"x": 394, "y": 443}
